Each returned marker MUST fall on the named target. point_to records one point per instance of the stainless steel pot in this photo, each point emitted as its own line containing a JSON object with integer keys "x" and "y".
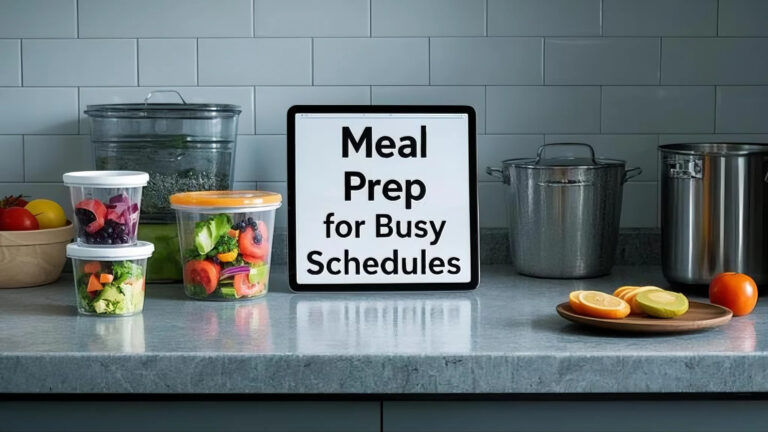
{"x": 714, "y": 211}
{"x": 564, "y": 212}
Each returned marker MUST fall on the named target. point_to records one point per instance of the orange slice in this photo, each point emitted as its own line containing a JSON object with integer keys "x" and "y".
{"x": 573, "y": 300}
{"x": 622, "y": 289}
{"x": 601, "y": 305}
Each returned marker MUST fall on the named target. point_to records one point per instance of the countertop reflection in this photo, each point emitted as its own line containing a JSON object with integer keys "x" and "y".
{"x": 504, "y": 336}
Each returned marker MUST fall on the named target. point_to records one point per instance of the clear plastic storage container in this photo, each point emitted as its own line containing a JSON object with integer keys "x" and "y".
{"x": 110, "y": 281}
{"x": 106, "y": 205}
{"x": 226, "y": 242}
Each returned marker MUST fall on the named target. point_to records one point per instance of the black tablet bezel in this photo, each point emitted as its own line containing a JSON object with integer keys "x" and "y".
{"x": 383, "y": 109}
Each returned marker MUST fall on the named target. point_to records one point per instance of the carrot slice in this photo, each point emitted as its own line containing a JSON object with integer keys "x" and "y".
{"x": 233, "y": 233}
{"x": 106, "y": 278}
{"x": 227, "y": 256}
{"x": 601, "y": 305}
{"x": 93, "y": 284}
{"x": 92, "y": 267}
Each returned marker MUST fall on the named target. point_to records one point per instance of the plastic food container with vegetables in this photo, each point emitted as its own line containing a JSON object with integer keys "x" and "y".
{"x": 225, "y": 240}
{"x": 106, "y": 205}
{"x": 110, "y": 281}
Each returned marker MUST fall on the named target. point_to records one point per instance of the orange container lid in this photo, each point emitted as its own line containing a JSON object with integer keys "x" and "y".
{"x": 226, "y": 199}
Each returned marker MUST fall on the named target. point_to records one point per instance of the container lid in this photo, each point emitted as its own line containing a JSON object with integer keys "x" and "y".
{"x": 114, "y": 179}
{"x": 140, "y": 250}
{"x": 544, "y": 161}
{"x": 163, "y": 110}
{"x": 718, "y": 149}
{"x": 224, "y": 200}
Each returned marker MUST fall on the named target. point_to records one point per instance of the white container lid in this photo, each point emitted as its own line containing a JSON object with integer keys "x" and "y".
{"x": 110, "y": 179}
{"x": 140, "y": 250}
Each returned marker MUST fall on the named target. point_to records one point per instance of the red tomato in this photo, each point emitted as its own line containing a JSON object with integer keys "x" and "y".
{"x": 202, "y": 272}
{"x": 17, "y": 219}
{"x": 249, "y": 245}
{"x": 736, "y": 291}
{"x": 244, "y": 287}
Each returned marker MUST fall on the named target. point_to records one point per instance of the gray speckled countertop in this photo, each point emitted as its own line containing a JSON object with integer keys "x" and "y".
{"x": 503, "y": 338}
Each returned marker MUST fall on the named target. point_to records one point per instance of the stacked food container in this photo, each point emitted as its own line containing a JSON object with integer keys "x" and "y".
{"x": 109, "y": 263}
{"x": 183, "y": 146}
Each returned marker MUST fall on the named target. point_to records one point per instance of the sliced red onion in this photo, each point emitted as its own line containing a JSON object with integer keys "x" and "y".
{"x": 231, "y": 271}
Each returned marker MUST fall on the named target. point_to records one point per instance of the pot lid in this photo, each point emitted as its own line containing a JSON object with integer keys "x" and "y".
{"x": 543, "y": 161}
{"x": 714, "y": 148}
{"x": 163, "y": 110}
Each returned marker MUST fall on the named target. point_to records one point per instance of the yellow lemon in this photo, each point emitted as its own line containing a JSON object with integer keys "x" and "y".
{"x": 48, "y": 213}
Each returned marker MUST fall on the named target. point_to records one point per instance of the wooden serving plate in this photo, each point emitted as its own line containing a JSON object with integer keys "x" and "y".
{"x": 699, "y": 316}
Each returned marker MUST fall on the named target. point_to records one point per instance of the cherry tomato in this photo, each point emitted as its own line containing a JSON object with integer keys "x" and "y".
{"x": 736, "y": 291}
{"x": 244, "y": 287}
{"x": 17, "y": 219}
{"x": 202, "y": 272}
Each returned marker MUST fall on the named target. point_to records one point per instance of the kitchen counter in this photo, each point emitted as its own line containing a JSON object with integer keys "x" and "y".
{"x": 505, "y": 337}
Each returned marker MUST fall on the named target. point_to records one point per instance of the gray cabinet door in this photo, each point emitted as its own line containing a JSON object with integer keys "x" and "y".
{"x": 189, "y": 416}
{"x": 591, "y": 416}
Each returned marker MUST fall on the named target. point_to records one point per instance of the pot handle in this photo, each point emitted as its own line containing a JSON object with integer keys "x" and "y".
{"x": 497, "y": 172}
{"x": 153, "y": 92}
{"x": 631, "y": 173}
{"x": 540, "y": 154}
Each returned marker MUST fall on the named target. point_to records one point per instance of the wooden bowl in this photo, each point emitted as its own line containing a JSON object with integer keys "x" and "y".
{"x": 31, "y": 258}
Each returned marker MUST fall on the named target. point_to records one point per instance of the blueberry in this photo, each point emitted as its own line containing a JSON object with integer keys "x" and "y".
{"x": 250, "y": 220}
{"x": 108, "y": 241}
{"x": 124, "y": 239}
{"x": 216, "y": 260}
{"x": 120, "y": 229}
{"x": 257, "y": 237}
{"x": 109, "y": 230}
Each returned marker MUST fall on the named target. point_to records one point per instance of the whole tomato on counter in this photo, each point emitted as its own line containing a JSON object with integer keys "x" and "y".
{"x": 736, "y": 291}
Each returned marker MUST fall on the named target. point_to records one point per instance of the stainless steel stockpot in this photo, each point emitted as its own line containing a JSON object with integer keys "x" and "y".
{"x": 564, "y": 212}
{"x": 714, "y": 211}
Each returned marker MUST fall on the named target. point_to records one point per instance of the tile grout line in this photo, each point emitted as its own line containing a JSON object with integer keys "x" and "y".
{"x": 429, "y": 61}
{"x": 24, "y": 157}
{"x": 486, "y": 18}
{"x": 312, "y": 61}
{"x": 21, "y": 62}
{"x": 661, "y": 57}
{"x": 717, "y": 19}
{"x": 197, "y": 62}
{"x": 602, "y": 3}
{"x": 138, "y": 76}
{"x": 370, "y": 18}
{"x": 77, "y": 19}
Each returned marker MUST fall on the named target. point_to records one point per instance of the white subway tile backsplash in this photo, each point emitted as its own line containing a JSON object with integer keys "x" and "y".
{"x": 167, "y": 62}
{"x": 242, "y": 96}
{"x": 311, "y": 18}
{"x": 38, "y": 18}
{"x": 743, "y": 18}
{"x": 272, "y": 61}
{"x": 635, "y": 150}
{"x": 492, "y": 202}
{"x": 165, "y": 18}
{"x": 12, "y": 160}
{"x": 10, "y": 62}
{"x": 493, "y": 149}
{"x": 714, "y": 61}
{"x": 665, "y": 109}
{"x": 48, "y": 157}
{"x": 606, "y": 61}
{"x": 742, "y": 109}
{"x": 543, "y": 17}
{"x": 38, "y": 110}
{"x": 272, "y": 103}
{"x": 281, "y": 215}
{"x": 79, "y": 62}
{"x": 659, "y": 17}
{"x": 261, "y": 158}
{"x": 433, "y": 95}
{"x": 52, "y": 191}
{"x": 428, "y": 17}
{"x": 640, "y": 205}
{"x": 506, "y": 61}
{"x": 365, "y": 61}
{"x": 536, "y": 109}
